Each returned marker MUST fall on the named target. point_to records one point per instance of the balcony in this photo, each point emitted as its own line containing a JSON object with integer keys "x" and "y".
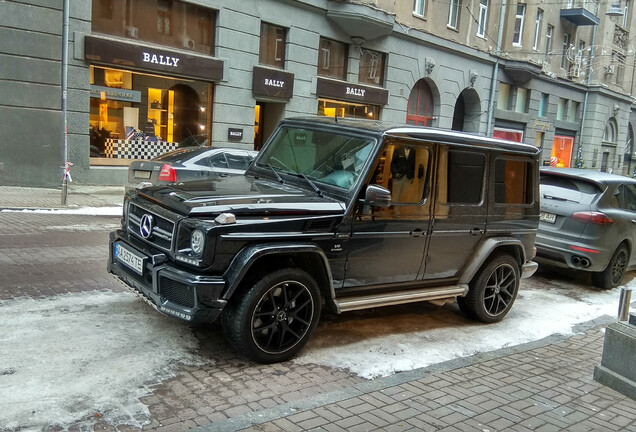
{"x": 361, "y": 21}
{"x": 580, "y": 13}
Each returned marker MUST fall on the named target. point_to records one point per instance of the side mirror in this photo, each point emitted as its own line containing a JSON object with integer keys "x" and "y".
{"x": 377, "y": 196}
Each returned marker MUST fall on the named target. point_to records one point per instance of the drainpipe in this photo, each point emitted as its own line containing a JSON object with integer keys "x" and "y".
{"x": 65, "y": 23}
{"x": 495, "y": 71}
{"x": 587, "y": 91}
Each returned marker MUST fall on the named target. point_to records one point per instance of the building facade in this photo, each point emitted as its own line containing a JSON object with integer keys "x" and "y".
{"x": 146, "y": 76}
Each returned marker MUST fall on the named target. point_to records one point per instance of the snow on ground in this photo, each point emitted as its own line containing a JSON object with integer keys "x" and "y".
{"x": 77, "y": 356}
{"x": 382, "y": 345}
{"x": 88, "y": 211}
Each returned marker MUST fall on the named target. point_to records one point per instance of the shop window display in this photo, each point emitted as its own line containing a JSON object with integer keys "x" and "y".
{"x": 140, "y": 116}
{"x": 332, "y": 108}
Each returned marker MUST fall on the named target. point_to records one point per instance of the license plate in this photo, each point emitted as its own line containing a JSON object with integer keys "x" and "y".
{"x": 129, "y": 258}
{"x": 142, "y": 174}
{"x": 547, "y": 217}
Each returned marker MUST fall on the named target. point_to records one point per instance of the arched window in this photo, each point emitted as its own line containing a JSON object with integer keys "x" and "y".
{"x": 421, "y": 104}
{"x": 611, "y": 131}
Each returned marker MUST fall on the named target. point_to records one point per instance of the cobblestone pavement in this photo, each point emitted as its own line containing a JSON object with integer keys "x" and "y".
{"x": 541, "y": 386}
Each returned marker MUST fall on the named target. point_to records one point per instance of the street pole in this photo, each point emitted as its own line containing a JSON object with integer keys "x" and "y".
{"x": 65, "y": 25}
{"x": 493, "y": 82}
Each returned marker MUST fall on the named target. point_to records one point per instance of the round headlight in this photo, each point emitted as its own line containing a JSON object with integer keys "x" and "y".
{"x": 197, "y": 242}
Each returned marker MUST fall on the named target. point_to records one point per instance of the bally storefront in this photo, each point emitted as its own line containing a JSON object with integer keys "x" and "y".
{"x": 152, "y": 84}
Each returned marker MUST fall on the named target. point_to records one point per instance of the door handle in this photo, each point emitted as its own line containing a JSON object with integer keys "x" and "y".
{"x": 476, "y": 231}
{"x": 417, "y": 232}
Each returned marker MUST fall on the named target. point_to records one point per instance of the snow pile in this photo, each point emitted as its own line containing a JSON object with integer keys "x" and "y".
{"x": 421, "y": 335}
{"x": 87, "y": 211}
{"x": 83, "y": 356}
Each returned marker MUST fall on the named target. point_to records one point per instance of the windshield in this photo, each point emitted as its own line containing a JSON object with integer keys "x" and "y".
{"x": 323, "y": 157}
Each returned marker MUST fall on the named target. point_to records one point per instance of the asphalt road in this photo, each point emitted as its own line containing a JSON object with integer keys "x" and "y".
{"x": 77, "y": 350}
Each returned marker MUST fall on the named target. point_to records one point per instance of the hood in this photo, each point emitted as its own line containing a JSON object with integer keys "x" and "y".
{"x": 241, "y": 195}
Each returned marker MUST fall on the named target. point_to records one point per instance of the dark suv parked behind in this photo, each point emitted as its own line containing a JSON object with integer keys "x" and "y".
{"x": 345, "y": 214}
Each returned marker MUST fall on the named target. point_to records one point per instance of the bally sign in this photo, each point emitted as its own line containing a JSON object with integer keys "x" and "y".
{"x": 159, "y": 59}
{"x": 341, "y": 90}
{"x": 272, "y": 83}
{"x": 129, "y": 55}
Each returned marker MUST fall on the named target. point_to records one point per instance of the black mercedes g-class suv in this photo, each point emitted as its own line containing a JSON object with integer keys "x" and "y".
{"x": 344, "y": 214}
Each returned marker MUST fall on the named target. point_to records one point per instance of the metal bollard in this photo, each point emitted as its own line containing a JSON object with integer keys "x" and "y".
{"x": 623, "y": 304}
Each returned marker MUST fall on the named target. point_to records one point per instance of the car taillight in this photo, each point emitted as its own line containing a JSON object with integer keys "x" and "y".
{"x": 168, "y": 174}
{"x": 597, "y": 218}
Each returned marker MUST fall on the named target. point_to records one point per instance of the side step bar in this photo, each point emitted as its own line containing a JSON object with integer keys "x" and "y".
{"x": 346, "y": 304}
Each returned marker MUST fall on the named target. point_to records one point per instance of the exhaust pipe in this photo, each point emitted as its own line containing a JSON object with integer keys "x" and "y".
{"x": 580, "y": 261}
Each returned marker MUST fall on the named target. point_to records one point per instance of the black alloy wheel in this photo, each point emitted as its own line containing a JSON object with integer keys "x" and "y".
{"x": 613, "y": 274}
{"x": 492, "y": 291}
{"x": 273, "y": 320}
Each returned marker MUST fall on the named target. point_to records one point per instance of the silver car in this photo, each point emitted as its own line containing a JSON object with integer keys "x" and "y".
{"x": 587, "y": 222}
{"x": 189, "y": 164}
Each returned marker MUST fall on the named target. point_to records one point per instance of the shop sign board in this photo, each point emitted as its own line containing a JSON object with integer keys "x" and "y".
{"x": 112, "y": 93}
{"x": 272, "y": 83}
{"x": 342, "y": 90}
{"x": 138, "y": 56}
{"x": 234, "y": 134}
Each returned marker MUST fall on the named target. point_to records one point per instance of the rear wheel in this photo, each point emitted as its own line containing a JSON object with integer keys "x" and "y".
{"x": 492, "y": 291}
{"x": 613, "y": 274}
{"x": 273, "y": 319}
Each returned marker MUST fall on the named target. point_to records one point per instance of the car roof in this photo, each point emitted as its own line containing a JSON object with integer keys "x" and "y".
{"x": 186, "y": 153}
{"x": 416, "y": 132}
{"x": 599, "y": 177}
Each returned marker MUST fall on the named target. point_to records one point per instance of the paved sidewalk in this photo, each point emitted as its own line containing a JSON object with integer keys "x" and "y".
{"x": 16, "y": 198}
{"x": 542, "y": 386}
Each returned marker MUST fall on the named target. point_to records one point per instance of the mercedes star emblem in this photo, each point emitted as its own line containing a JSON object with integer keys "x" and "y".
{"x": 145, "y": 228}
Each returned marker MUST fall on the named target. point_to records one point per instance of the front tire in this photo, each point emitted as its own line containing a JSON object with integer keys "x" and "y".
{"x": 492, "y": 291}
{"x": 272, "y": 320}
{"x": 613, "y": 274}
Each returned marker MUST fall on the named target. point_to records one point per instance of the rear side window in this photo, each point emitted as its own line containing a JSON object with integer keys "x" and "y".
{"x": 465, "y": 177}
{"x": 218, "y": 161}
{"x": 513, "y": 181}
{"x": 236, "y": 161}
{"x": 568, "y": 189}
{"x": 625, "y": 197}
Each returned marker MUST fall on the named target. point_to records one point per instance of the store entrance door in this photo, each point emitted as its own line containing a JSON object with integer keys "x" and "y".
{"x": 266, "y": 118}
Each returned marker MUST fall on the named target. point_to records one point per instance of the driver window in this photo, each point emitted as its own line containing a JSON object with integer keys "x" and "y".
{"x": 403, "y": 170}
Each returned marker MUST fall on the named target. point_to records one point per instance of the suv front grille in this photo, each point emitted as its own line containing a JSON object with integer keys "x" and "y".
{"x": 177, "y": 292}
{"x": 162, "y": 229}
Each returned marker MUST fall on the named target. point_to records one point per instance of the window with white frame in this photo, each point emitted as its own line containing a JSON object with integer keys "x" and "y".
{"x": 537, "y": 29}
{"x": 453, "y": 14}
{"x": 419, "y": 7}
{"x": 517, "y": 35}
{"x": 548, "y": 39}
{"x": 483, "y": 18}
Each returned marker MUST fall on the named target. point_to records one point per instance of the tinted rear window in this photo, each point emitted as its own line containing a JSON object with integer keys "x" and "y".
{"x": 570, "y": 189}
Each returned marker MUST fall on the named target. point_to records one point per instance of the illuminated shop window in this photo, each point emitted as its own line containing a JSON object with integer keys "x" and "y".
{"x": 135, "y": 115}
{"x": 561, "y": 151}
{"x": 333, "y": 108}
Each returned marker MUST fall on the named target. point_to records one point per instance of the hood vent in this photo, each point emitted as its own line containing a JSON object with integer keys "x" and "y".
{"x": 319, "y": 225}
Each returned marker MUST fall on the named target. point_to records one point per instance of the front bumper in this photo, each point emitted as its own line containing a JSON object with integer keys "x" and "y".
{"x": 183, "y": 294}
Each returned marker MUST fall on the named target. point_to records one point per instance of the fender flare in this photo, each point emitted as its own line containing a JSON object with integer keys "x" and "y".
{"x": 483, "y": 253}
{"x": 245, "y": 259}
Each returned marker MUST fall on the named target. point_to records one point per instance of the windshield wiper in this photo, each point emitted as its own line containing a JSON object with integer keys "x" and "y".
{"x": 312, "y": 184}
{"x": 278, "y": 177}
{"x": 546, "y": 196}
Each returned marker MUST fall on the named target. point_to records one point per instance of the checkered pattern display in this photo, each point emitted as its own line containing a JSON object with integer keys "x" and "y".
{"x": 137, "y": 149}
